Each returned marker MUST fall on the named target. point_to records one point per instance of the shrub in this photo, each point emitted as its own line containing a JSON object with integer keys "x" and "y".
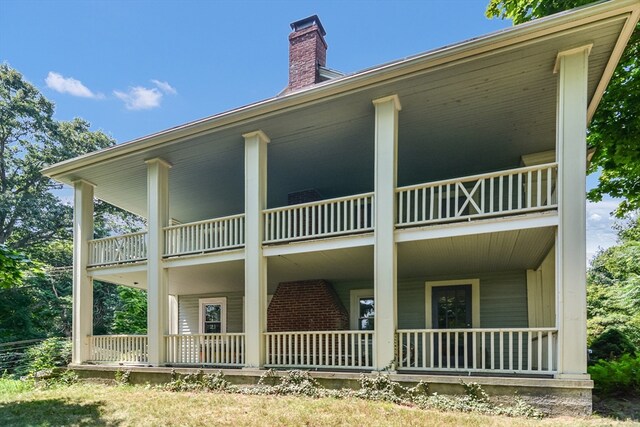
{"x": 610, "y": 345}
{"x": 617, "y": 377}
{"x": 49, "y": 354}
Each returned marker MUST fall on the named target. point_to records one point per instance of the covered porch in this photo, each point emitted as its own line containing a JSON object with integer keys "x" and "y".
{"x": 489, "y": 309}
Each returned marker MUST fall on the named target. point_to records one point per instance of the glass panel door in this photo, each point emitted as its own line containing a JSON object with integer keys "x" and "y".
{"x": 451, "y": 309}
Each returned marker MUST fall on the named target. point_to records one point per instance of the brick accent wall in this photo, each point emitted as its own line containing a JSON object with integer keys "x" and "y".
{"x": 310, "y": 305}
{"x": 307, "y": 51}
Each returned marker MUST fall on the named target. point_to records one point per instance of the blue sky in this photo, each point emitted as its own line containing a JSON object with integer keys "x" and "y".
{"x": 136, "y": 67}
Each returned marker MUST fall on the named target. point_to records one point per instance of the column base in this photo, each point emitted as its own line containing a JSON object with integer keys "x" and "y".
{"x": 568, "y": 376}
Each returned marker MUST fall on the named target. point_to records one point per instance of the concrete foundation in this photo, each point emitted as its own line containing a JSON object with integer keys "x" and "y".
{"x": 553, "y": 396}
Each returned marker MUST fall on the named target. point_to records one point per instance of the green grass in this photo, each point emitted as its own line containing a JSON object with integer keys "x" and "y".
{"x": 90, "y": 404}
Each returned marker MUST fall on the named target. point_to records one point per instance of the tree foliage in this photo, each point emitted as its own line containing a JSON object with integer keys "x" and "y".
{"x": 613, "y": 286}
{"x": 35, "y": 222}
{"x": 131, "y": 317}
{"x": 14, "y": 267}
{"x": 614, "y": 130}
{"x": 31, "y": 139}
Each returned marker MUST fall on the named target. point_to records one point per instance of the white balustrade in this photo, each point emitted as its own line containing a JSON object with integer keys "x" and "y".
{"x": 527, "y": 350}
{"x": 505, "y": 192}
{"x": 332, "y": 217}
{"x": 118, "y": 348}
{"x": 328, "y": 349}
{"x": 118, "y": 249}
{"x": 205, "y": 349}
{"x": 205, "y": 236}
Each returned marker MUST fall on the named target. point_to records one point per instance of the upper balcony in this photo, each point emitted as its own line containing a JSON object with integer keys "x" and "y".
{"x": 498, "y": 194}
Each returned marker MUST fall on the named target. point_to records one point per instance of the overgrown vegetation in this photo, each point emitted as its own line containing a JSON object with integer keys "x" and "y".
{"x": 376, "y": 388}
{"x": 618, "y": 377}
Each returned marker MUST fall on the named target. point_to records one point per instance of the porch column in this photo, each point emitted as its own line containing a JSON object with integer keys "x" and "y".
{"x": 255, "y": 264}
{"x": 385, "y": 274}
{"x": 157, "y": 277}
{"x": 571, "y": 146}
{"x": 82, "y": 283}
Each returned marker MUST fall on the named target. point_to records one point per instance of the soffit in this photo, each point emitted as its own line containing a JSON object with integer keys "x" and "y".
{"x": 478, "y": 115}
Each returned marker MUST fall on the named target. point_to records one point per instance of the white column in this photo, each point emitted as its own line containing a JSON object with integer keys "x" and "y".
{"x": 157, "y": 277}
{"x": 82, "y": 283}
{"x": 255, "y": 264}
{"x": 173, "y": 314}
{"x": 571, "y": 147}
{"x": 385, "y": 274}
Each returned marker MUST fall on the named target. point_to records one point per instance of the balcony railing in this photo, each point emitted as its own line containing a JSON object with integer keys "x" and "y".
{"x": 205, "y": 236}
{"x": 205, "y": 349}
{"x": 505, "y": 192}
{"x": 509, "y": 192}
{"x": 118, "y": 348}
{"x": 325, "y": 218}
{"x": 331, "y": 349}
{"x": 118, "y": 249}
{"x": 526, "y": 350}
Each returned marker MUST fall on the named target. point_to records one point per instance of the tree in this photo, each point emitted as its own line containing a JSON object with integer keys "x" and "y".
{"x": 14, "y": 267}
{"x": 614, "y": 131}
{"x": 131, "y": 318}
{"x": 31, "y": 139}
{"x": 34, "y": 221}
{"x": 613, "y": 286}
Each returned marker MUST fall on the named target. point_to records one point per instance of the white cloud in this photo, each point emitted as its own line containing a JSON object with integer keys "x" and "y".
{"x": 140, "y": 98}
{"x": 165, "y": 87}
{"x": 59, "y": 83}
{"x": 600, "y": 234}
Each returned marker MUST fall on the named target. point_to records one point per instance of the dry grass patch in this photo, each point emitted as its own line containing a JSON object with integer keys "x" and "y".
{"x": 102, "y": 405}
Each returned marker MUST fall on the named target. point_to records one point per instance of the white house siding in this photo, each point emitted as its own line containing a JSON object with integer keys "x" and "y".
{"x": 188, "y": 316}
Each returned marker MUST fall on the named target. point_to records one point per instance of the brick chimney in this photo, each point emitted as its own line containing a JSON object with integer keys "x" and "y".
{"x": 307, "y": 53}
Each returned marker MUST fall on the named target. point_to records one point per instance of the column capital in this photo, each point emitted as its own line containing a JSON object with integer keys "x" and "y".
{"x": 158, "y": 160}
{"x": 262, "y": 137}
{"x": 393, "y": 98}
{"x": 580, "y": 49}
{"x": 75, "y": 182}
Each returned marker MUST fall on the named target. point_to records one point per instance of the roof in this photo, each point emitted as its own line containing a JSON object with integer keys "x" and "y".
{"x": 620, "y": 18}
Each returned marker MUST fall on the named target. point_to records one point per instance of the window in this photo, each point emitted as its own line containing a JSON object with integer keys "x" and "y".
{"x": 213, "y": 314}
{"x": 362, "y": 310}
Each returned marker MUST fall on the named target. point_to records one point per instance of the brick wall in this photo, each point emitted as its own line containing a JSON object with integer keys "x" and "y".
{"x": 310, "y": 305}
{"x": 307, "y": 51}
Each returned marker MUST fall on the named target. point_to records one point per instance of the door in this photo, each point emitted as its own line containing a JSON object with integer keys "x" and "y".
{"x": 451, "y": 309}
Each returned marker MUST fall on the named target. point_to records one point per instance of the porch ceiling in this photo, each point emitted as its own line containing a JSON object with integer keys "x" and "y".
{"x": 477, "y": 114}
{"x": 476, "y": 253}
{"x": 446, "y": 257}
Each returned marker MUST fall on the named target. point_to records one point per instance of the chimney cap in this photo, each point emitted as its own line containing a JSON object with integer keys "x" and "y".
{"x": 308, "y": 22}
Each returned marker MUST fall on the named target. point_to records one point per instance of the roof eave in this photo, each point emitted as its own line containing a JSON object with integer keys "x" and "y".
{"x": 335, "y": 87}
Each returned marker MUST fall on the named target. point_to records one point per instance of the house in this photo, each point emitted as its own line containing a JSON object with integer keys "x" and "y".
{"x": 425, "y": 217}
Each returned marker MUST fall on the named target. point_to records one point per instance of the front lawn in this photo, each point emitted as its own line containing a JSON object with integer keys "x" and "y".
{"x": 88, "y": 404}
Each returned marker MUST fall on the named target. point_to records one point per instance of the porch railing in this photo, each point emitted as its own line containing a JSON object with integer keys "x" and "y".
{"x": 527, "y": 350}
{"x": 512, "y": 191}
{"x": 330, "y": 349}
{"x": 204, "y": 236}
{"x": 332, "y": 217}
{"x": 118, "y": 249}
{"x": 206, "y": 349}
{"x": 118, "y": 348}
